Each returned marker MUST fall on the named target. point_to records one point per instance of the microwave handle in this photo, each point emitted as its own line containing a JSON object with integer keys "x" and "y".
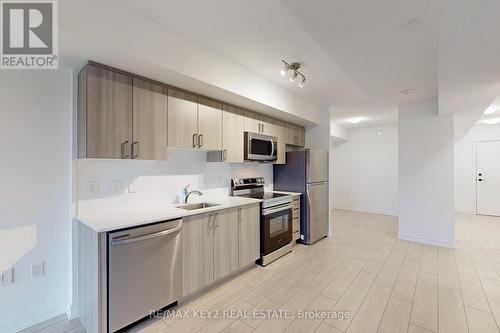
{"x": 272, "y": 148}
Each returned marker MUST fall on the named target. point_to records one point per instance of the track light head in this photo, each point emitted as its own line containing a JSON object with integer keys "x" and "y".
{"x": 293, "y": 76}
{"x": 302, "y": 81}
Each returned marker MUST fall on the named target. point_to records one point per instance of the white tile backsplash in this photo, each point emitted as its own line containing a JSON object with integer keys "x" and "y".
{"x": 162, "y": 181}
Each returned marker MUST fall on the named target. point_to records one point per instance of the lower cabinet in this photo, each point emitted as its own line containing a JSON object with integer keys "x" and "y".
{"x": 217, "y": 244}
{"x": 197, "y": 252}
{"x": 296, "y": 218}
{"x": 249, "y": 234}
{"x": 225, "y": 224}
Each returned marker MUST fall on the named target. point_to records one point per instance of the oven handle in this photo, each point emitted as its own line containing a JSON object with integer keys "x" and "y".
{"x": 280, "y": 208}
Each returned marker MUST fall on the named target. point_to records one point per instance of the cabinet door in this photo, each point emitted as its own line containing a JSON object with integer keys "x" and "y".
{"x": 182, "y": 119}
{"x": 150, "y": 121}
{"x": 108, "y": 114}
{"x": 232, "y": 134}
{"x": 209, "y": 124}
{"x": 252, "y": 122}
{"x": 302, "y": 136}
{"x": 249, "y": 234}
{"x": 267, "y": 126}
{"x": 225, "y": 242}
{"x": 281, "y": 134}
{"x": 197, "y": 252}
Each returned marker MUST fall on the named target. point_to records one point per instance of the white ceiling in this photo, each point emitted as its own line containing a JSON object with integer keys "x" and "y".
{"x": 357, "y": 55}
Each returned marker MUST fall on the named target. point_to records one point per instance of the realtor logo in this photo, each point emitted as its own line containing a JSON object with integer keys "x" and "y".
{"x": 29, "y": 34}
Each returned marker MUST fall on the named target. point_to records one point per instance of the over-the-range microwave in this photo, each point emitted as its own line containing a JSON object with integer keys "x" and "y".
{"x": 259, "y": 147}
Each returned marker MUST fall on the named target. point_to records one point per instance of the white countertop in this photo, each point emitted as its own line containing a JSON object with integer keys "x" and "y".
{"x": 103, "y": 215}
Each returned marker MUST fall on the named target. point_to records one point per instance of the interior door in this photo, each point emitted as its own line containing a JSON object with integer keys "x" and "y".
{"x": 488, "y": 178}
{"x": 150, "y": 121}
{"x": 317, "y": 211}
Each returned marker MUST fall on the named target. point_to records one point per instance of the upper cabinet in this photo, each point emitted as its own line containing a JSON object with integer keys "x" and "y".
{"x": 280, "y": 131}
{"x": 104, "y": 113}
{"x": 149, "y": 121}
{"x": 257, "y": 123}
{"x": 209, "y": 124}
{"x": 295, "y": 135}
{"x": 232, "y": 134}
{"x": 182, "y": 119}
{"x": 124, "y": 116}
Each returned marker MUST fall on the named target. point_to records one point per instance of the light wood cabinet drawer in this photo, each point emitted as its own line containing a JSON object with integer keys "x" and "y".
{"x": 296, "y": 204}
{"x": 295, "y": 236}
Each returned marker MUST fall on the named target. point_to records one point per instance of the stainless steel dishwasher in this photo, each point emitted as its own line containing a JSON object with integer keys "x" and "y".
{"x": 144, "y": 271}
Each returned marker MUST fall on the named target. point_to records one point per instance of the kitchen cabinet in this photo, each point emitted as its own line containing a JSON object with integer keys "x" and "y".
{"x": 295, "y": 135}
{"x": 197, "y": 252}
{"x": 209, "y": 124}
{"x": 280, "y": 131}
{"x": 225, "y": 225}
{"x": 232, "y": 134}
{"x": 104, "y": 113}
{"x": 149, "y": 121}
{"x": 249, "y": 234}
{"x": 257, "y": 123}
{"x": 182, "y": 119}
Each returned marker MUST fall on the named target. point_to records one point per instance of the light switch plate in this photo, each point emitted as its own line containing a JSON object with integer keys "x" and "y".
{"x": 7, "y": 277}
{"x": 37, "y": 269}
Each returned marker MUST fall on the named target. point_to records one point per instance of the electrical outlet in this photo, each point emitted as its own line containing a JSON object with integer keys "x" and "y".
{"x": 116, "y": 186}
{"x": 7, "y": 277}
{"x": 131, "y": 186}
{"x": 92, "y": 188}
{"x": 37, "y": 269}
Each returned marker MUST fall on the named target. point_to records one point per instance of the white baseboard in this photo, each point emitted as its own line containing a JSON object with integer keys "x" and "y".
{"x": 30, "y": 319}
{"x": 435, "y": 242}
{"x": 72, "y": 311}
{"x": 369, "y": 211}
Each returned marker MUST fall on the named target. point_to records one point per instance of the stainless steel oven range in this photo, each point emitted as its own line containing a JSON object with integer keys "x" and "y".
{"x": 275, "y": 217}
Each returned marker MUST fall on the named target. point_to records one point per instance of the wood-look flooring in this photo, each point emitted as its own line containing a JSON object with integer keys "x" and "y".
{"x": 387, "y": 285}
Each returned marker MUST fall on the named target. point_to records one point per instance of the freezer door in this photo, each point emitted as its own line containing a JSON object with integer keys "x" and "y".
{"x": 317, "y": 165}
{"x": 317, "y": 211}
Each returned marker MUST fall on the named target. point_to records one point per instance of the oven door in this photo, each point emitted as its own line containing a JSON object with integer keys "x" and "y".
{"x": 276, "y": 227}
{"x": 260, "y": 147}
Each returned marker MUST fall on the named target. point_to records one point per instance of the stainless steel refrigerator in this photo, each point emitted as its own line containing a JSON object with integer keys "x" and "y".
{"x": 306, "y": 171}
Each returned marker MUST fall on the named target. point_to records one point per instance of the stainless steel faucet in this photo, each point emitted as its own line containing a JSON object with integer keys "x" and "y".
{"x": 188, "y": 193}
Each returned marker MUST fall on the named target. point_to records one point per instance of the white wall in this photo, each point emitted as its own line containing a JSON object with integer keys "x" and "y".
{"x": 426, "y": 174}
{"x": 465, "y": 166}
{"x": 365, "y": 171}
{"x": 35, "y": 141}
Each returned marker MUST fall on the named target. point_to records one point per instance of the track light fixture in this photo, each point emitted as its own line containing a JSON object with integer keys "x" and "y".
{"x": 293, "y": 68}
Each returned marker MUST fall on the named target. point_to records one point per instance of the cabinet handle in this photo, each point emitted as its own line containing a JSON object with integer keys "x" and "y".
{"x": 262, "y": 128}
{"x": 224, "y": 155}
{"x": 209, "y": 219}
{"x": 135, "y": 149}
{"x": 200, "y": 140}
{"x": 194, "y": 140}
{"x": 215, "y": 221}
{"x": 123, "y": 150}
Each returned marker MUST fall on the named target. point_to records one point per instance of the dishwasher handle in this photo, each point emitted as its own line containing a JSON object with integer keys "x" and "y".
{"x": 146, "y": 237}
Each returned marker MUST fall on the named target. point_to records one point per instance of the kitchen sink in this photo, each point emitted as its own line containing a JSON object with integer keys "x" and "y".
{"x": 200, "y": 205}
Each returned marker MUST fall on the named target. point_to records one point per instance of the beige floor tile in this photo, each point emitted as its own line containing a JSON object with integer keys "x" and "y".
{"x": 324, "y": 328}
{"x": 404, "y": 288}
{"x": 451, "y": 312}
{"x": 368, "y": 317}
{"x": 425, "y": 304}
{"x": 416, "y": 329}
{"x": 342, "y": 281}
{"x": 396, "y": 317}
{"x": 480, "y": 321}
{"x": 352, "y": 299}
